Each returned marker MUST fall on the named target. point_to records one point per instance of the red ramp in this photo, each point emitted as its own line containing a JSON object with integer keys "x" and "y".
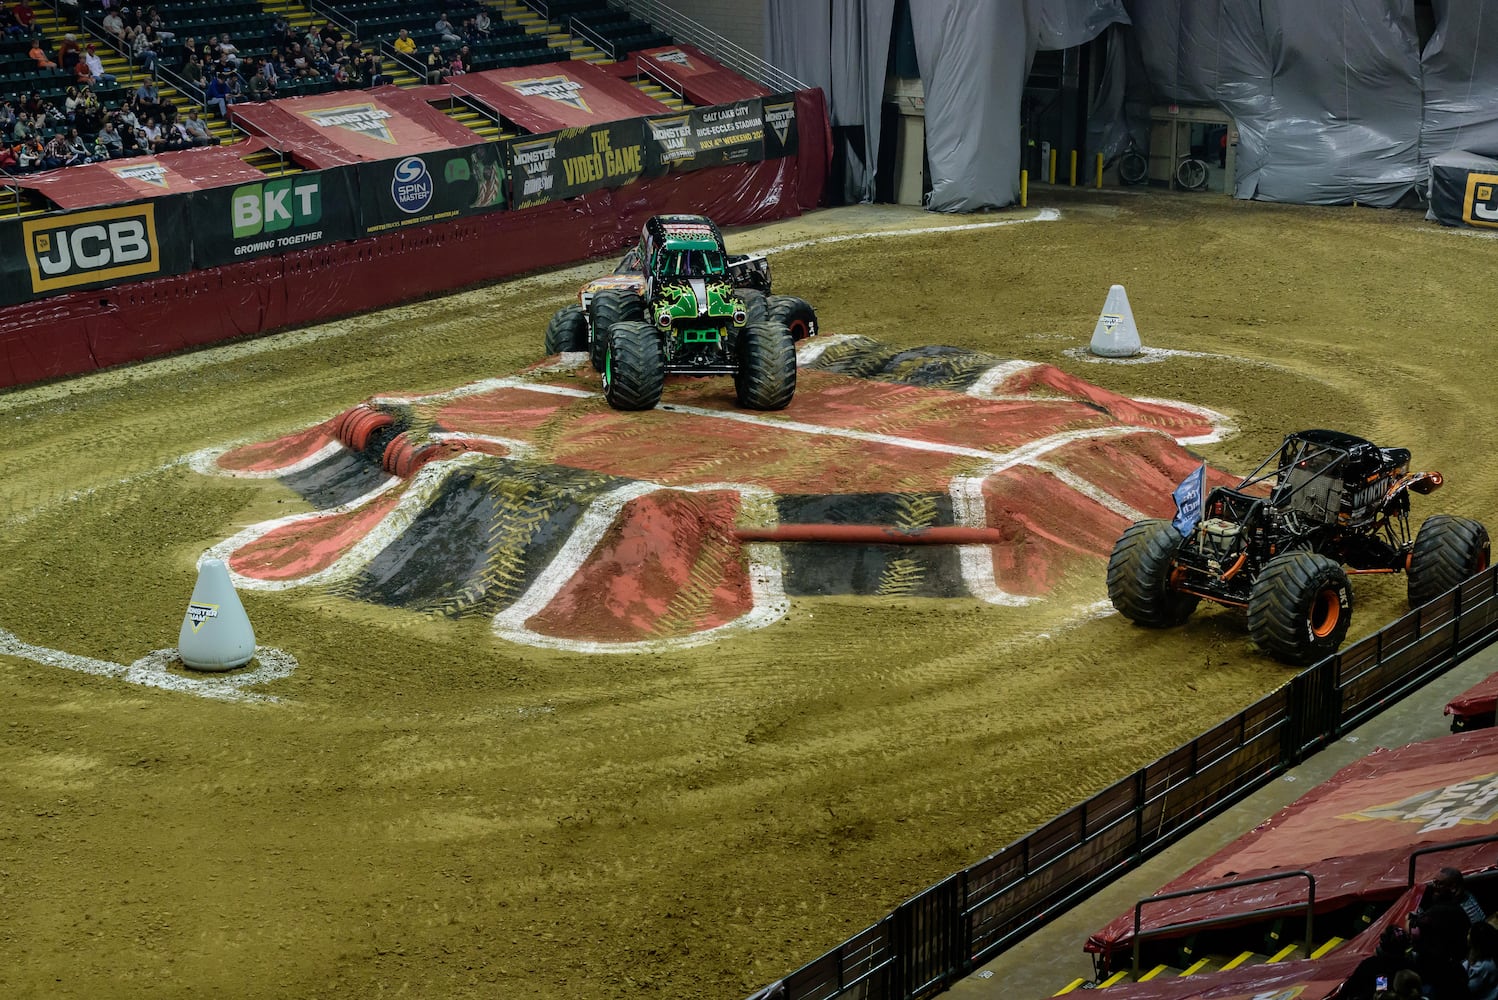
{"x": 1355, "y": 834}
{"x": 350, "y": 126}
{"x": 119, "y": 181}
{"x": 694, "y": 75}
{"x": 553, "y": 96}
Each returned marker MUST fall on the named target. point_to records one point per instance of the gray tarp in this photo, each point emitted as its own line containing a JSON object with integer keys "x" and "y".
{"x": 1460, "y": 66}
{"x": 974, "y": 57}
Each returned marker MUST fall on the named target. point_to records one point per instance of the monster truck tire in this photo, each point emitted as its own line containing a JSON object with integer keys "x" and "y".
{"x": 610, "y": 306}
{"x": 1139, "y": 576}
{"x": 756, "y": 305}
{"x": 634, "y": 370}
{"x": 1447, "y": 551}
{"x": 766, "y": 375}
{"x": 797, "y": 315}
{"x": 1300, "y": 607}
{"x": 567, "y": 331}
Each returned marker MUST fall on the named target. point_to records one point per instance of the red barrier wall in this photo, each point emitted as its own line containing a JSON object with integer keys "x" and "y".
{"x": 81, "y": 331}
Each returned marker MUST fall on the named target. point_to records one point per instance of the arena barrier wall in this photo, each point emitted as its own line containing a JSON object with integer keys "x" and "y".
{"x": 79, "y": 322}
{"x": 949, "y": 930}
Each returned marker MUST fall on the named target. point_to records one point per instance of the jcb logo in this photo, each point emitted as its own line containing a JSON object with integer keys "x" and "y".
{"x": 88, "y": 247}
{"x": 1481, "y": 206}
{"x": 276, "y": 205}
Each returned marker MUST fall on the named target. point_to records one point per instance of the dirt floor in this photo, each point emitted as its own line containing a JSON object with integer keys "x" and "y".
{"x": 430, "y": 811}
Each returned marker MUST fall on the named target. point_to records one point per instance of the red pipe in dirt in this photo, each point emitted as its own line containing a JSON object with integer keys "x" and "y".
{"x": 872, "y": 534}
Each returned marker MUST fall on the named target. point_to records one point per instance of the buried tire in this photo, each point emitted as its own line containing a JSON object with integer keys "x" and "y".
{"x": 567, "y": 331}
{"x": 797, "y": 315}
{"x": 610, "y": 306}
{"x": 1447, "y": 551}
{"x": 1300, "y": 607}
{"x": 1139, "y": 576}
{"x": 766, "y": 374}
{"x": 634, "y": 369}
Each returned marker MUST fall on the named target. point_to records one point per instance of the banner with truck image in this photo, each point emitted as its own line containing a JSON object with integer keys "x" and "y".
{"x": 574, "y": 161}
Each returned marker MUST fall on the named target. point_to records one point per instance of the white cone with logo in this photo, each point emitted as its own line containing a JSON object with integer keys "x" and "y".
{"x": 1115, "y": 335}
{"x": 216, "y": 632}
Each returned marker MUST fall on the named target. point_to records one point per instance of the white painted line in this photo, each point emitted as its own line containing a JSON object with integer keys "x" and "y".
{"x": 423, "y": 487}
{"x": 517, "y": 449}
{"x": 768, "y": 601}
{"x": 988, "y": 383}
{"x": 206, "y": 462}
{"x": 1044, "y": 215}
{"x": 154, "y": 670}
{"x": 483, "y": 386}
{"x": 812, "y": 349}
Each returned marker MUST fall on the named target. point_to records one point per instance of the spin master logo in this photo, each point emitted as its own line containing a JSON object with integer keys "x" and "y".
{"x": 561, "y": 89}
{"x": 365, "y": 119}
{"x": 1471, "y": 801}
{"x": 411, "y": 186}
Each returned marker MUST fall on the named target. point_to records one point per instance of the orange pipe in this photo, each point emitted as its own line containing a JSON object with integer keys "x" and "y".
{"x": 872, "y": 534}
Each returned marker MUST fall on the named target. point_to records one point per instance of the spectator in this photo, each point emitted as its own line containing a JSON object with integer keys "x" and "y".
{"x": 1449, "y": 887}
{"x": 405, "y": 44}
{"x": 8, "y": 159}
{"x": 229, "y": 52}
{"x": 444, "y": 27}
{"x": 55, "y": 153}
{"x": 197, "y": 129}
{"x": 24, "y": 15}
{"x": 70, "y": 103}
{"x": 261, "y": 89}
{"x": 236, "y": 89}
{"x": 482, "y": 24}
{"x": 115, "y": 26}
{"x": 12, "y": 29}
{"x": 374, "y": 73}
{"x": 109, "y": 140}
{"x": 436, "y": 65}
{"x": 76, "y": 150}
{"x": 330, "y": 34}
{"x": 462, "y": 62}
{"x": 96, "y": 69}
{"x": 34, "y": 105}
{"x": 7, "y": 118}
{"x": 39, "y": 55}
{"x": 90, "y": 114}
{"x": 29, "y": 155}
{"x": 277, "y": 30}
{"x": 155, "y": 135}
{"x": 216, "y": 95}
{"x": 270, "y": 68}
{"x": 148, "y": 97}
{"x": 142, "y": 51}
{"x": 1482, "y": 961}
{"x": 68, "y": 53}
{"x": 192, "y": 71}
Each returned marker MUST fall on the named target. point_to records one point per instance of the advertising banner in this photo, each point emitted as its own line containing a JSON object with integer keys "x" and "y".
{"x": 708, "y": 137}
{"x": 273, "y": 215}
{"x": 1464, "y": 190}
{"x": 68, "y": 251}
{"x": 571, "y": 162}
{"x": 781, "y": 137}
{"x": 433, "y": 187}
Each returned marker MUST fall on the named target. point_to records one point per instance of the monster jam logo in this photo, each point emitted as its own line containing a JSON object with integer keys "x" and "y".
{"x": 86, "y": 247}
{"x": 1480, "y": 208}
{"x": 151, "y": 173}
{"x": 780, "y": 118}
{"x": 534, "y": 159}
{"x": 1472, "y": 801}
{"x": 198, "y": 614}
{"x": 673, "y": 56}
{"x": 561, "y": 89}
{"x": 365, "y": 119}
{"x": 673, "y": 136}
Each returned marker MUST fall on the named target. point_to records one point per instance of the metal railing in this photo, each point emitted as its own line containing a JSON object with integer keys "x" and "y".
{"x": 578, "y": 29}
{"x": 947, "y": 931}
{"x": 684, "y": 29}
{"x": 1309, "y": 906}
{"x": 1409, "y": 882}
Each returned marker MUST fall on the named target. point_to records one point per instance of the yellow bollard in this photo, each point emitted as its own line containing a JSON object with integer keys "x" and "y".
{"x": 1024, "y": 189}
{"x": 1099, "y": 175}
{"x": 1053, "y": 165}
{"x": 1074, "y": 168}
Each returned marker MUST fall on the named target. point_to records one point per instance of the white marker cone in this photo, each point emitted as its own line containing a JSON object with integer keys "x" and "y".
{"x": 216, "y": 633}
{"x": 1115, "y": 335}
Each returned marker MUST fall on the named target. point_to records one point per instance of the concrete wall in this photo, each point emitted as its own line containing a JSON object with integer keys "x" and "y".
{"x": 740, "y": 21}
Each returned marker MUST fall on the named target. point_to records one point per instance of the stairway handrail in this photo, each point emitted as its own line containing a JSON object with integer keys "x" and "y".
{"x": 730, "y": 54}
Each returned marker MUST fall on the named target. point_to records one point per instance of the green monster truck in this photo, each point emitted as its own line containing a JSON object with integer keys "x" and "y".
{"x": 680, "y": 304}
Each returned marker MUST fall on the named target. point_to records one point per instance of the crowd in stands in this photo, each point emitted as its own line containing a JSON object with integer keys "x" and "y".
{"x": 1447, "y": 950}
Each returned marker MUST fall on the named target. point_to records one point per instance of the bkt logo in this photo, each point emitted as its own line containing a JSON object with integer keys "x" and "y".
{"x": 411, "y": 187}
{"x": 276, "y": 205}
{"x": 87, "y": 247}
{"x": 1481, "y": 206}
